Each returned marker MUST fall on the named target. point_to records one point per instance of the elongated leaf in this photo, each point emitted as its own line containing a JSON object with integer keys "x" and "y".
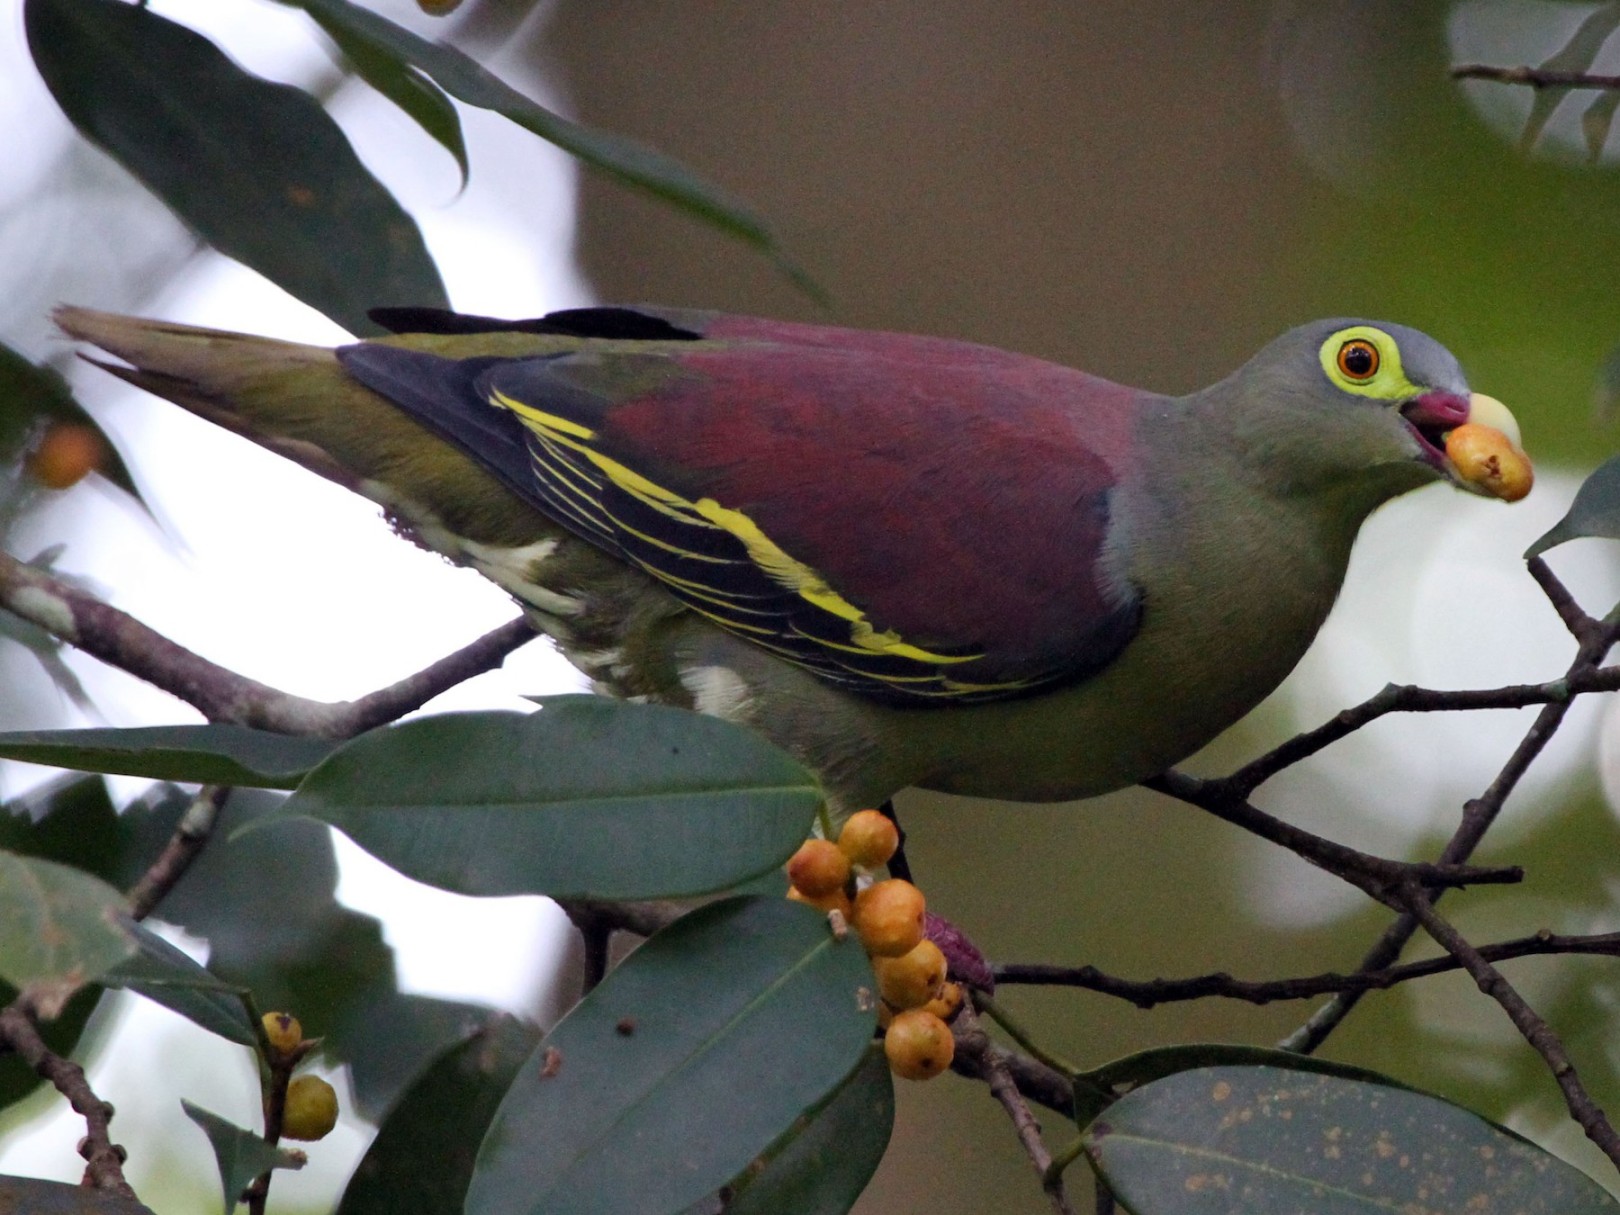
{"x": 382, "y": 68}
{"x": 1576, "y": 55}
{"x": 1595, "y": 511}
{"x": 59, "y": 928}
{"x": 205, "y": 755}
{"x": 29, "y": 392}
{"x": 702, "y": 1049}
{"x": 1267, "y": 1141}
{"x": 422, "y": 1158}
{"x": 259, "y": 170}
{"x": 630, "y": 162}
{"x": 821, "y": 1167}
{"x": 165, "y": 975}
{"x": 586, "y": 798}
{"x": 240, "y": 1154}
{"x": 26, "y": 1195}
{"x": 1597, "y": 120}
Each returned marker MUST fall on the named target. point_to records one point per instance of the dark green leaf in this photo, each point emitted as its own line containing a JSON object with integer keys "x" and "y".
{"x": 1595, "y": 511}
{"x": 1576, "y": 55}
{"x": 26, "y": 1196}
{"x": 1266, "y": 1141}
{"x": 380, "y": 66}
{"x": 1144, "y": 1067}
{"x": 586, "y": 798}
{"x": 821, "y": 1167}
{"x": 1597, "y": 120}
{"x": 28, "y": 393}
{"x": 258, "y": 169}
{"x": 59, "y": 928}
{"x": 207, "y": 755}
{"x": 164, "y": 974}
{"x": 629, "y": 162}
{"x": 422, "y": 1158}
{"x": 240, "y": 1154}
{"x": 701, "y": 1050}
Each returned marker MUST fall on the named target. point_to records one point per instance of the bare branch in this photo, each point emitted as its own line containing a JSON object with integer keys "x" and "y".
{"x": 1536, "y": 78}
{"x": 104, "y": 1159}
{"x": 1149, "y": 993}
{"x": 1529, "y": 1023}
{"x": 118, "y": 639}
{"x": 191, "y": 833}
{"x": 989, "y": 1062}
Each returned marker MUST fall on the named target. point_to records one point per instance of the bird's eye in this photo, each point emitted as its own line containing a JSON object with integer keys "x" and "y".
{"x": 1358, "y": 359}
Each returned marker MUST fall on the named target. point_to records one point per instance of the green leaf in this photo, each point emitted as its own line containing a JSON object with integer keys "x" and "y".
{"x": 1266, "y": 1141}
{"x": 59, "y": 928}
{"x": 422, "y": 1158}
{"x": 586, "y": 798}
{"x": 259, "y": 170}
{"x": 29, "y": 392}
{"x": 701, "y": 1050}
{"x": 240, "y": 1154}
{"x": 380, "y": 66}
{"x": 205, "y": 755}
{"x": 165, "y": 975}
{"x": 1597, "y": 120}
{"x": 821, "y": 1166}
{"x": 1576, "y": 55}
{"x": 1595, "y": 511}
{"x": 627, "y": 161}
{"x": 25, "y": 1194}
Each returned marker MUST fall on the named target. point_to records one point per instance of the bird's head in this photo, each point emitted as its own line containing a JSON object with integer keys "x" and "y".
{"x": 1378, "y": 404}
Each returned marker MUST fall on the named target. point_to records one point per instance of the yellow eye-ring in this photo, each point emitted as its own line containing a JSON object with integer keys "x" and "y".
{"x": 1358, "y": 360}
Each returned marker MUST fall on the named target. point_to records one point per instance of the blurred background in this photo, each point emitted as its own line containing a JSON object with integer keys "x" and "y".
{"x": 1146, "y": 190}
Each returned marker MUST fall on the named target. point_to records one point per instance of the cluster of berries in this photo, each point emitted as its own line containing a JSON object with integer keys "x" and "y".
{"x": 311, "y": 1108}
{"x": 916, "y": 998}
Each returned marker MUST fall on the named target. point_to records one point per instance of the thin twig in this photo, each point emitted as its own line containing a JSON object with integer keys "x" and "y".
{"x": 104, "y": 1159}
{"x": 1149, "y": 993}
{"x": 191, "y": 833}
{"x": 1536, "y": 78}
{"x": 72, "y": 614}
{"x": 974, "y": 1041}
{"x": 1586, "y": 1112}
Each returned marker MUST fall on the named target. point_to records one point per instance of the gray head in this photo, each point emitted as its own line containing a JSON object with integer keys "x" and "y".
{"x": 1344, "y": 400}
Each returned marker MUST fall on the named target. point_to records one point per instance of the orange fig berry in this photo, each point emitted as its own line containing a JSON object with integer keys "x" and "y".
{"x": 889, "y": 917}
{"x": 66, "y": 454}
{"x": 283, "y": 1032}
{"x": 912, "y": 979}
{"x": 311, "y": 1111}
{"x": 918, "y": 1045}
{"x": 1487, "y": 459}
{"x": 869, "y": 839}
{"x": 947, "y": 1003}
{"x": 818, "y": 868}
{"x": 833, "y": 900}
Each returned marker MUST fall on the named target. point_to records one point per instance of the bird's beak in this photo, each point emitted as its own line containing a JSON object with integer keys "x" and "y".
{"x": 1473, "y": 441}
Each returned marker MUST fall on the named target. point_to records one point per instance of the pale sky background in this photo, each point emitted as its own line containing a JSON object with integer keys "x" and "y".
{"x": 336, "y": 606}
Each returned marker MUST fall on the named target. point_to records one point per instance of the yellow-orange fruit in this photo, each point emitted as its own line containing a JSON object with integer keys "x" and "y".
{"x": 918, "y": 1045}
{"x": 283, "y": 1032}
{"x": 868, "y": 839}
{"x": 67, "y": 453}
{"x": 311, "y": 1111}
{"x": 833, "y": 900}
{"x": 1487, "y": 458}
{"x": 889, "y": 917}
{"x": 912, "y": 979}
{"x": 818, "y": 867}
{"x": 947, "y": 1003}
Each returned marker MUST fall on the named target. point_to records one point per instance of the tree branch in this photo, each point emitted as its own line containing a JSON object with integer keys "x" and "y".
{"x": 1536, "y": 78}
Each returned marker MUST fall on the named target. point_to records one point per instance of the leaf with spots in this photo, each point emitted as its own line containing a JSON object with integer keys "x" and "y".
{"x": 59, "y": 928}
{"x": 1269, "y": 1141}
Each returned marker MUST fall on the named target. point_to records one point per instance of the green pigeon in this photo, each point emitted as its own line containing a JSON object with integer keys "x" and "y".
{"x": 906, "y": 560}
